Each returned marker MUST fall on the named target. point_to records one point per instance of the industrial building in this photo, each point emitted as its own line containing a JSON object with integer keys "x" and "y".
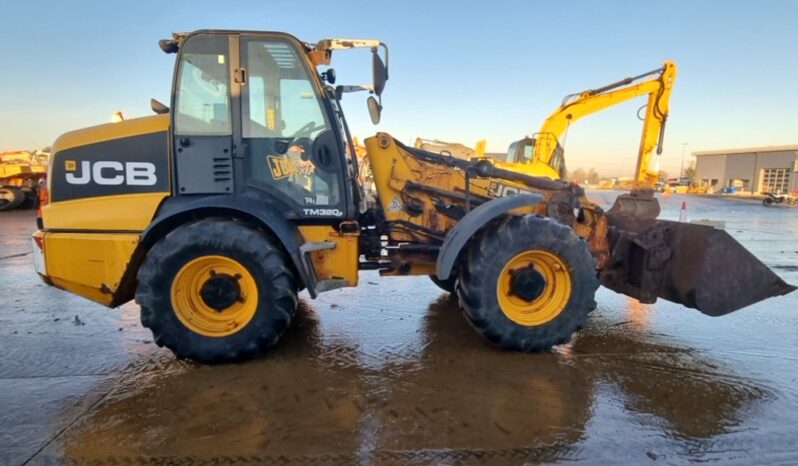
{"x": 753, "y": 170}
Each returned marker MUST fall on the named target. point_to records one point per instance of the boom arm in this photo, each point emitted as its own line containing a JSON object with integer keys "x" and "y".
{"x": 657, "y": 84}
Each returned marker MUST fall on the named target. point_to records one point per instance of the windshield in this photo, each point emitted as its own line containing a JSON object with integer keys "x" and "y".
{"x": 521, "y": 151}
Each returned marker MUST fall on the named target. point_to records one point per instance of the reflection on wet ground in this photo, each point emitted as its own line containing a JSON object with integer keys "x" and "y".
{"x": 457, "y": 400}
{"x": 392, "y": 374}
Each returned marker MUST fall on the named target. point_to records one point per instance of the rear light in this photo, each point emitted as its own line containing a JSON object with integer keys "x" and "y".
{"x": 42, "y": 200}
{"x": 37, "y": 246}
{"x": 38, "y": 239}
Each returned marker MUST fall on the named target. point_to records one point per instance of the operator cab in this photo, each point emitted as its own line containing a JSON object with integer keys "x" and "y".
{"x": 523, "y": 152}
{"x": 252, "y": 117}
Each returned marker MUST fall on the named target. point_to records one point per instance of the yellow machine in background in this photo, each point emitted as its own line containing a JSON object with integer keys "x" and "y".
{"x": 20, "y": 173}
{"x": 543, "y": 154}
{"x": 454, "y": 149}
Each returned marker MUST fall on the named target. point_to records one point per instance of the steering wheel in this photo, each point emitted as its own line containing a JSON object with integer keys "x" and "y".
{"x": 302, "y": 138}
{"x": 307, "y": 130}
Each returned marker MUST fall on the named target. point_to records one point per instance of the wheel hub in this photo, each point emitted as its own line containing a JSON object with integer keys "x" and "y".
{"x": 533, "y": 287}
{"x": 527, "y": 283}
{"x": 220, "y": 291}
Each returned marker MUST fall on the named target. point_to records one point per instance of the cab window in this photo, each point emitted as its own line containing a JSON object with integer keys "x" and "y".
{"x": 520, "y": 152}
{"x": 203, "y": 88}
{"x": 284, "y": 124}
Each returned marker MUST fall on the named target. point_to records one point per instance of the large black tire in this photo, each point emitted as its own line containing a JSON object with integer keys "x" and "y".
{"x": 499, "y": 244}
{"x": 445, "y": 285}
{"x": 767, "y": 201}
{"x": 11, "y": 197}
{"x": 266, "y": 265}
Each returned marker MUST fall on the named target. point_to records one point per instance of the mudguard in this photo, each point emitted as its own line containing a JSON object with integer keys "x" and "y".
{"x": 465, "y": 228}
{"x": 176, "y": 210}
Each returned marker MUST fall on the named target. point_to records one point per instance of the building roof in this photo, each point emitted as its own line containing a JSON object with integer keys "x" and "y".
{"x": 747, "y": 150}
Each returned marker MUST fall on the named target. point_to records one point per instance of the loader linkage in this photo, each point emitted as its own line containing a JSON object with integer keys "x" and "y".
{"x": 640, "y": 256}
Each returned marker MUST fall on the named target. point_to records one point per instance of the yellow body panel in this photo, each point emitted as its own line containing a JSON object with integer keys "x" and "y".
{"x": 120, "y": 212}
{"x": 531, "y": 169}
{"x": 89, "y": 264}
{"x": 12, "y": 170}
{"x": 393, "y": 167}
{"x": 107, "y": 212}
{"x": 109, "y": 131}
{"x": 340, "y": 262}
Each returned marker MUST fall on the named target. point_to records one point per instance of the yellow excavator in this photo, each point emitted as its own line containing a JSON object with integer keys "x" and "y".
{"x": 215, "y": 213}
{"x": 542, "y": 154}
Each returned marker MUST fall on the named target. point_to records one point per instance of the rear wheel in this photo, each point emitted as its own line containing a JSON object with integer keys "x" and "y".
{"x": 445, "y": 285}
{"x": 216, "y": 291}
{"x": 11, "y": 197}
{"x": 528, "y": 283}
{"x": 767, "y": 201}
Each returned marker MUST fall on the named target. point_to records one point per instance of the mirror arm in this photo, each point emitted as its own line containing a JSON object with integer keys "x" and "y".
{"x": 385, "y": 49}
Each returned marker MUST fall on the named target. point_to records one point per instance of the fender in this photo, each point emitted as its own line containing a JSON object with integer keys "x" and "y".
{"x": 472, "y": 222}
{"x": 175, "y": 211}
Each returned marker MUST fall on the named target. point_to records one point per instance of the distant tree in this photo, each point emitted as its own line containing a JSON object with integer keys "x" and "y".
{"x": 592, "y": 176}
{"x": 690, "y": 171}
{"x": 577, "y": 176}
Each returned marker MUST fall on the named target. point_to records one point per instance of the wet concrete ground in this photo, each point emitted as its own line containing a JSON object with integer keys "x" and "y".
{"x": 392, "y": 374}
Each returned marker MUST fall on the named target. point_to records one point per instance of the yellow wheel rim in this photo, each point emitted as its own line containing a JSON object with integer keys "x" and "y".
{"x": 553, "y": 297}
{"x": 196, "y": 314}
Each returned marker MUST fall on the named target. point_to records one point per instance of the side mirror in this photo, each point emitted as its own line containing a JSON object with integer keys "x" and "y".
{"x": 379, "y": 72}
{"x": 329, "y": 76}
{"x": 158, "y": 107}
{"x": 374, "y": 109}
{"x": 168, "y": 45}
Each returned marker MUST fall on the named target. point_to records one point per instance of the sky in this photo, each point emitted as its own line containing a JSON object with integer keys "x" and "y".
{"x": 459, "y": 70}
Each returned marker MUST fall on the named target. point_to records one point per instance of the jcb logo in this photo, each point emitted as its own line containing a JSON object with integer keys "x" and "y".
{"x": 503, "y": 190}
{"x": 111, "y": 173}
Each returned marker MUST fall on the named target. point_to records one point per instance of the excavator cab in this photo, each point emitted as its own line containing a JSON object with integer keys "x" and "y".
{"x": 522, "y": 152}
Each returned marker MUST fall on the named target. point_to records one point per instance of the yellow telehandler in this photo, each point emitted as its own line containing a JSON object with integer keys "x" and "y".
{"x": 214, "y": 213}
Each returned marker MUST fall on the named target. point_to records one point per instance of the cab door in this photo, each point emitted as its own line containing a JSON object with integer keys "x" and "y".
{"x": 293, "y": 153}
{"x": 202, "y": 123}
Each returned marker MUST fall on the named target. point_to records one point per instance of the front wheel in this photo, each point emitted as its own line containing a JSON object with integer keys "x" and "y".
{"x": 527, "y": 283}
{"x": 216, "y": 291}
{"x": 11, "y": 197}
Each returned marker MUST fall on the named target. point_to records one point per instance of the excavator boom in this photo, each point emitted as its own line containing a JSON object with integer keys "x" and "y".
{"x": 657, "y": 84}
